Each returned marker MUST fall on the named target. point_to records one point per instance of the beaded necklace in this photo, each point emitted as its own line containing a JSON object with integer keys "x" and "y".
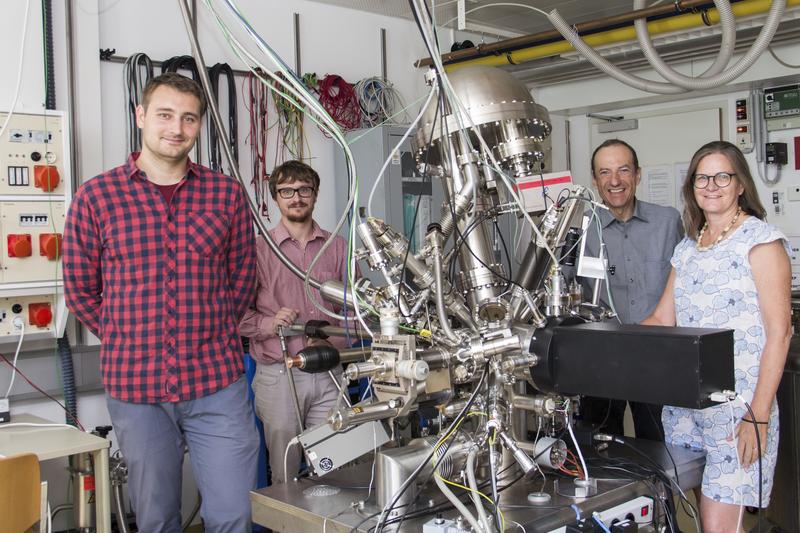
{"x": 721, "y": 236}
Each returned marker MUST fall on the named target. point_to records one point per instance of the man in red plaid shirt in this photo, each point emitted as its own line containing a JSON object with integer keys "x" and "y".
{"x": 159, "y": 263}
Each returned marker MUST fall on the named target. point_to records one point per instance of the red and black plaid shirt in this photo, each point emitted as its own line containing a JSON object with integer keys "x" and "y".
{"x": 162, "y": 285}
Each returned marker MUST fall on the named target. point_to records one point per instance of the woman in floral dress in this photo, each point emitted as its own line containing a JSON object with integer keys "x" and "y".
{"x": 731, "y": 271}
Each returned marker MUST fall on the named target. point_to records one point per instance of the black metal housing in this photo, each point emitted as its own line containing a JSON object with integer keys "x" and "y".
{"x": 652, "y": 364}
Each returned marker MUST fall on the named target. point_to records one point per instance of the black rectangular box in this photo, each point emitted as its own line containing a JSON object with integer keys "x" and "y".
{"x": 652, "y": 364}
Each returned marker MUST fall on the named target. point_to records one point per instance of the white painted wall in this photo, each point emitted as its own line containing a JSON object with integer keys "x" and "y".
{"x": 571, "y": 101}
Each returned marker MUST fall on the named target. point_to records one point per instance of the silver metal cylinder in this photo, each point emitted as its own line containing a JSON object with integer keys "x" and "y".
{"x": 362, "y": 369}
{"x": 82, "y": 491}
{"x": 343, "y": 417}
{"x": 390, "y": 321}
{"x": 541, "y": 405}
{"x": 393, "y": 467}
{"x": 551, "y": 452}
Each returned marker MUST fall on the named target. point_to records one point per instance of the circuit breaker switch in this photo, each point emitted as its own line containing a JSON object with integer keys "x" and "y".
{"x": 40, "y": 314}
{"x": 50, "y": 245}
{"x": 46, "y": 177}
{"x": 19, "y": 245}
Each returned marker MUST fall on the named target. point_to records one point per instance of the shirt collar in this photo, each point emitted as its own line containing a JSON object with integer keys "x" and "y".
{"x": 132, "y": 170}
{"x": 606, "y": 218}
{"x": 280, "y": 233}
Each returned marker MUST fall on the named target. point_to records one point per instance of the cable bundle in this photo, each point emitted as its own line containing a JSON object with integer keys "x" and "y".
{"x": 257, "y": 99}
{"x": 340, "y": 101}
{"x": 290, "y": 122}
{"x": 376, "y": 99}
{"x": 174, "y": 64}
{"x": 138, "y": 70}
{"x": 214, "y": 149}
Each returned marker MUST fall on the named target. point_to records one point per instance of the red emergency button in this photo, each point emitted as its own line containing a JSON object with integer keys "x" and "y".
{"x": 46, "y": 177}
{"x": 50, "y": 245}
{"x": 19, "y": 245}
{"x": 39, "y": 314}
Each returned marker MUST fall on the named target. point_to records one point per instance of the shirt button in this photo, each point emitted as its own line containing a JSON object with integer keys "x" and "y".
{"x": 627, "y": 259}
{"x": 626, "y": 235}
{"x": 631, "y": 280}
{"x": 633, "y": 302}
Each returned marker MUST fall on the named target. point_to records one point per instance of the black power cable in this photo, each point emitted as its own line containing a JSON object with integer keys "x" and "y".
{"x": 214, "y": 148}
{"x": 49, "y": 60}
{"x": 760, "y": 471}
{"x": 138, "y": 70}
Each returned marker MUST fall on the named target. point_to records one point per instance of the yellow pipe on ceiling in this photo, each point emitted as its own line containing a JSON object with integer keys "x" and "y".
{"x": 688, "y": 21}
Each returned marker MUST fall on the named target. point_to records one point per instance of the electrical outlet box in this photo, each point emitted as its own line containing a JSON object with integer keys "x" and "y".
{"x": 33, "y": 154}
{"x": 777, "y": 154}
{"x": 793, "y": 193}
{"x": 37, "y": 313}
{"x": 44, "y": 223}
{"x": 35, "y": 192}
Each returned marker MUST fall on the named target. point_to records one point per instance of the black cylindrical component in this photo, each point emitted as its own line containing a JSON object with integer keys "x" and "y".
{"x": 318, "y": 358}
{"x": 49, "y": 60}
{"x": 68, "y": 379}
{"x": 569, "y": 253}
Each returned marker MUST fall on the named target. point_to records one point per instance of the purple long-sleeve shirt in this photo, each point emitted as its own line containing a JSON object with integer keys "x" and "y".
{"x": 278, "y": 287}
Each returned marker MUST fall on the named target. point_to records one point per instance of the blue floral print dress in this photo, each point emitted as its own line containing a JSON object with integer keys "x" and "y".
{"x": 715, "y": 289}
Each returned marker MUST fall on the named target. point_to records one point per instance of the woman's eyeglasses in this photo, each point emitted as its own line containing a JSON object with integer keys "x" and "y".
{"x": 720, "y": 179}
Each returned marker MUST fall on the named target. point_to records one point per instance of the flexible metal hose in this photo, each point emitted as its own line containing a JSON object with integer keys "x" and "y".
{"x": 759, "y": 45}
{"x": 706, "y": 81}
{"x": 473, "y": 484}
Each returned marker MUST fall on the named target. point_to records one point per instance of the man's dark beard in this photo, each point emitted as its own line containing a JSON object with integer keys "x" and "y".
{"x": 299, "y": 218}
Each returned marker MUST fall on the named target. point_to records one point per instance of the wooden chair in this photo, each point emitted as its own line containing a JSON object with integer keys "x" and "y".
{"x": 22, "y": 504}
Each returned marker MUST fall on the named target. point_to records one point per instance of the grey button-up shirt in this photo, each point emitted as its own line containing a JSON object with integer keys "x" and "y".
{"x": 638, "y": 252}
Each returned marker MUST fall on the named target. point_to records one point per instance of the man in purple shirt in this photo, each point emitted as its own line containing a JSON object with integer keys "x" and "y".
{"x": 281, "y": 301}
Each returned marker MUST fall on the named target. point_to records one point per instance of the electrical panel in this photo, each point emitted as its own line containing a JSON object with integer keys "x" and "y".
{"x": 744, "y": 125}
{"x": 37, "y": 313}
{"x": 35, "y": 190}
{"x": 782, "y": 107}
{"x": 777, "y": 153}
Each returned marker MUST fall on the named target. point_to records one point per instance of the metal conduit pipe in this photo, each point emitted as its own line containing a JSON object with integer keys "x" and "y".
{"x": 232, "y": 163}
{"x": 770, "y": 26}
{"x": 528, "y": 41}
{"x": 744, "y": 63}
{"x": 548, "y": 48}
{"x": 551, "y": 75}
{"x": 441, "y": 309}
{"x": 473, "y": 484}
{"x": 119, "y": 509}
{"x": 726, "y": 48}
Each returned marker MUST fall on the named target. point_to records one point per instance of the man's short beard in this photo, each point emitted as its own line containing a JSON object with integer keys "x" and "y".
{"x": 299, "y": 218}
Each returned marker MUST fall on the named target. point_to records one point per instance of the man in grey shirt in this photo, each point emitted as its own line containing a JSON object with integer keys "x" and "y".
{"x": 639, "y": 239}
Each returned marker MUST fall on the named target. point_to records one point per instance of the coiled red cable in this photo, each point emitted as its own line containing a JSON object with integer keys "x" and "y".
{"x": 340, "y": 101}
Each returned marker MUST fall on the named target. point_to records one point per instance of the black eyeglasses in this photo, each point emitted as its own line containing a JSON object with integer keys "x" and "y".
{"x": 288, "y": 192}
{"x": 720, "y": 179}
